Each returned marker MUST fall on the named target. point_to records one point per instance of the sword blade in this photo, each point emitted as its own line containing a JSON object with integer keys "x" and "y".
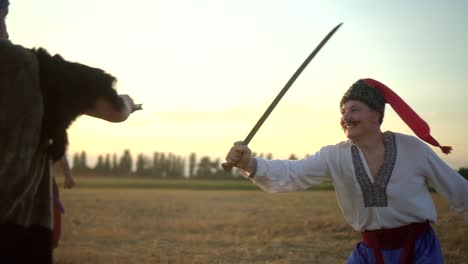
{"x": 228, "y": 166}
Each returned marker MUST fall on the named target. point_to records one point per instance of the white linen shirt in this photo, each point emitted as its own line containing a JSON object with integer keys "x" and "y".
{"x": 397, "y": 197}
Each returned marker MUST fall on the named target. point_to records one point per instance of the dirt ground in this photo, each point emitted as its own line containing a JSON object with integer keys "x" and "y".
{"x": 186, "y": 226}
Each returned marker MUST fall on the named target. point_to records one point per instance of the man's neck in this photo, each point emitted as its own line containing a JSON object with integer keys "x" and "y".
{"x": 370, "y": 142}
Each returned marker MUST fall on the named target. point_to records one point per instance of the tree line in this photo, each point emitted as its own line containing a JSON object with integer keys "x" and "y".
{"x": 157, "y": 165}
{"x": 164, "y": 165}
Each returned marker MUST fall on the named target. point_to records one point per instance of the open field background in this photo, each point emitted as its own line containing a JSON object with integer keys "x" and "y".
{"x": 145, "y": 221}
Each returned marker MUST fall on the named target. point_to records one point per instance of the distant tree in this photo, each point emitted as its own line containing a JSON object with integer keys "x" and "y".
{"x": 163, "y": 164}
{"x": 182, "y": 166}
{"x": 99, "y": 168}
{"x": 115, "y": 164}
{"x": 140, "y": 164}
{"x": 76, "y": 162}
{"x": 170, "y": 164}
{"x": 83, "y": 161}
{"x": 206, "y": 168}
{"x": 464, "y": 172}
{"x": 177, "y": 167}
{"x": 269, "y": 156}
{"x": 77, "y": 167}
{"x": 107, "y": 165}
{"x": 79, "y": 164}
{"x": 156, "y": 165}
{"x": 192, "y": 164}
{"x": 292, "y": 157}
{"x": 143, "y": 165}
{"x": 126, "y": 163}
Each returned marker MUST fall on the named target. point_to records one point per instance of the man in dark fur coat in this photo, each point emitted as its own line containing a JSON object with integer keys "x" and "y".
{"x": 40, "y": 96}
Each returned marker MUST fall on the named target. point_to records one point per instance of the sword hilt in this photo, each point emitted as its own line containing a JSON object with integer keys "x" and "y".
{"x": 227, "y": 166}
{"x": 137, "y": 107}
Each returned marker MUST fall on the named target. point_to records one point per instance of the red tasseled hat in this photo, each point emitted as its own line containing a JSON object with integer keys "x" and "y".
{"x": 413, "y": 120}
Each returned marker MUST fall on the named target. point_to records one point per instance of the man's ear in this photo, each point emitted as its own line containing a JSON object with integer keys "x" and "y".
{"x": 377, "y": 117}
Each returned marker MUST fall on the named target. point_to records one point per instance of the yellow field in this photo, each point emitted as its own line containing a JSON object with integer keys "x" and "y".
{"x": 190, "y": 226}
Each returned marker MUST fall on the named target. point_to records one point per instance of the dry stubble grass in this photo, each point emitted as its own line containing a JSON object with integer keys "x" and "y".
{"x": 184, "y": 226}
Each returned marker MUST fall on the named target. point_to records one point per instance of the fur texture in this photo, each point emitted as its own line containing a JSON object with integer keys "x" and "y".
{"x": 70, "y": 89}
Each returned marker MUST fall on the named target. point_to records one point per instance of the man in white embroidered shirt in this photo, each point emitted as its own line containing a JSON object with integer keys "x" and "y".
{"x": 379, "y": 178}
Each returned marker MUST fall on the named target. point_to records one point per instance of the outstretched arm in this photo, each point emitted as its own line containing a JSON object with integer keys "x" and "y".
{"x": 447, "y": 182}
{"x": 280, "y": 175}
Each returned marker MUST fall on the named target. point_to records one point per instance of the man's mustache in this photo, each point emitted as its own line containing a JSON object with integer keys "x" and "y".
{"x": 344, "y": 123}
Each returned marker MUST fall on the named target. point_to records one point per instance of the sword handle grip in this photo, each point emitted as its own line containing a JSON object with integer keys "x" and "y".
{"x": 227, "y": 166}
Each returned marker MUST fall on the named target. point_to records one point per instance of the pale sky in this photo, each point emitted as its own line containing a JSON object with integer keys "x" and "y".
{"x": 206, "y": 70}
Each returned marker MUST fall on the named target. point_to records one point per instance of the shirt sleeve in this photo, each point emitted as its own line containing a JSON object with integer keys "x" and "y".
{"x": 292, "y": 175}
{"x": 447, "y": 182}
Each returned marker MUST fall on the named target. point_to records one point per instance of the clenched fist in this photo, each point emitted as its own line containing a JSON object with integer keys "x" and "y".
{"x": 240, "y": 156}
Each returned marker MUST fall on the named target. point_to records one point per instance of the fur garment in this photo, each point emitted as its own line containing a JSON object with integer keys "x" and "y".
{"x": 69, "y": 89}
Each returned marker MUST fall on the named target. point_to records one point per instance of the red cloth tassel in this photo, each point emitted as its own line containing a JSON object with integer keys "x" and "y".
{"x": 411, "y": 118}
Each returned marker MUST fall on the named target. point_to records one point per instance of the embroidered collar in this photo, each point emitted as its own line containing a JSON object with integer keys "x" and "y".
{"x": 375, "y": 193}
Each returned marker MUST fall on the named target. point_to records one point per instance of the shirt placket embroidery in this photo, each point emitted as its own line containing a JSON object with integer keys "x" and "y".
{"x": 375, "y": 193}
